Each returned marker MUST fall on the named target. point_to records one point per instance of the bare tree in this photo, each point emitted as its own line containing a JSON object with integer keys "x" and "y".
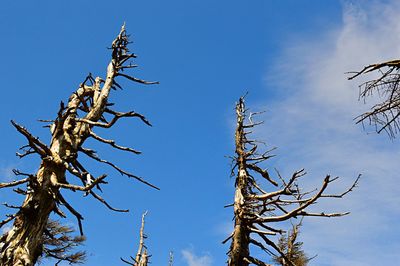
{"x": 385, "y": 114}
{"x": 142, "y": 257}
{"x": 88, "y": 108}
{"x": 257, "y": 212}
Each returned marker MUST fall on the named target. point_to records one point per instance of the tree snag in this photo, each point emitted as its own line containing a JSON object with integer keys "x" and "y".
{"x": 256, "y": 211}
{"x": 87, "y": 109}
{"x": 384, "y": 115}
{"x": 142, "y": 257}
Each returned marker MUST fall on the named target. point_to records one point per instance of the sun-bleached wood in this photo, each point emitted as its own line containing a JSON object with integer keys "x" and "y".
{"x": 87, "y": 108}
{"x": 257, "y": 211}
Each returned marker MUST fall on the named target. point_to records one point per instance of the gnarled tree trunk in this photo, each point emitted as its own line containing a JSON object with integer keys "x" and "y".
{"x": 23, "y": 244}
{"x": 256, "y": 210}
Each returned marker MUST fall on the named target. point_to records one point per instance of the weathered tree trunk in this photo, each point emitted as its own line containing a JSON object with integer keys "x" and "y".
{"x": 23, "y": 244}
{"x": 239, "y": 249}
{"x": 256, "y": 211}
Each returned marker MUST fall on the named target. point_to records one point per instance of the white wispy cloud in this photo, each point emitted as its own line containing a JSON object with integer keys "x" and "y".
{"x": 313, "y": 127}
{"x": 192, "y": 259}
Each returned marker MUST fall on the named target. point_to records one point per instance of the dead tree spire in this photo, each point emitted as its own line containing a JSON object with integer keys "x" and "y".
{"x": 256, "y": 211}
{"x": 142, "y": 257}
{"x": 87, "y": 109}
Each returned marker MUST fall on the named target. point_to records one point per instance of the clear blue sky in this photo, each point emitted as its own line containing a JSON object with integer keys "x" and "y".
{"x": 289, "y": 55}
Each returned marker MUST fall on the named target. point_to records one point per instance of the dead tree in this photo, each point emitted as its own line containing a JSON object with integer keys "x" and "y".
{"x": 142, "y": 257}
{"x": 257, "y": 212}
{"x": 385, "y": 114}
{"x": 88, "y": 108}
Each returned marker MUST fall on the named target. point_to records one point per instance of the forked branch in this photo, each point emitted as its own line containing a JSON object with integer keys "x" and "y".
{"x": 384, "y": 115}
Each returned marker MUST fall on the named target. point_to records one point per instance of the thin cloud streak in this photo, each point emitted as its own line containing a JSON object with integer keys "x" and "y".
{"x": 192, "y": 259}
{"x": 313, "y": 127}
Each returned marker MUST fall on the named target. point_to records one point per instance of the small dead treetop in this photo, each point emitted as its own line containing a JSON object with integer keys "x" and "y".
{"x": 142, "y": 257}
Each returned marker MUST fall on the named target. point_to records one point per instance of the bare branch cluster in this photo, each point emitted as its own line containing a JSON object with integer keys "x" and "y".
{"x": 87, "y": 109}
{"x": 384, "y": 115}
{"x": 256, "y": 210}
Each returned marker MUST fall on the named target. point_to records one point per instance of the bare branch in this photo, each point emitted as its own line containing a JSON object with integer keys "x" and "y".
{"x": 138, "y": 80}
{"x": 263, "y": 173}
{"x": 355, "y": 183}
{"x": 112, "y": 143}
{"x": 78, "y": 216}
{"x": 34, "y": 142}
{"x": 86, "y": 188}
{"x": 9, "y": 218}
{"x": 99, "y": 198}
{"x": 122, "y": 172}
{"x": 14, "y": 183}
{"x": 385, "y": 115}
{"x": 322, "y": 214}
{"x": 392, "y": 64}
{"x": 127, "y": 262}
{"x": 116, "y": 117}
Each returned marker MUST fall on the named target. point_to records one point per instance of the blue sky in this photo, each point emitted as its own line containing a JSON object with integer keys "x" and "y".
{"x": 290, "y": 56}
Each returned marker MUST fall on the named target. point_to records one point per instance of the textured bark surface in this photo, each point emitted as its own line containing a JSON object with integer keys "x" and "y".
{"x": 257, "y": 211}
{"x": 239, "y": 249}
{"x": 86, "y": 109}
